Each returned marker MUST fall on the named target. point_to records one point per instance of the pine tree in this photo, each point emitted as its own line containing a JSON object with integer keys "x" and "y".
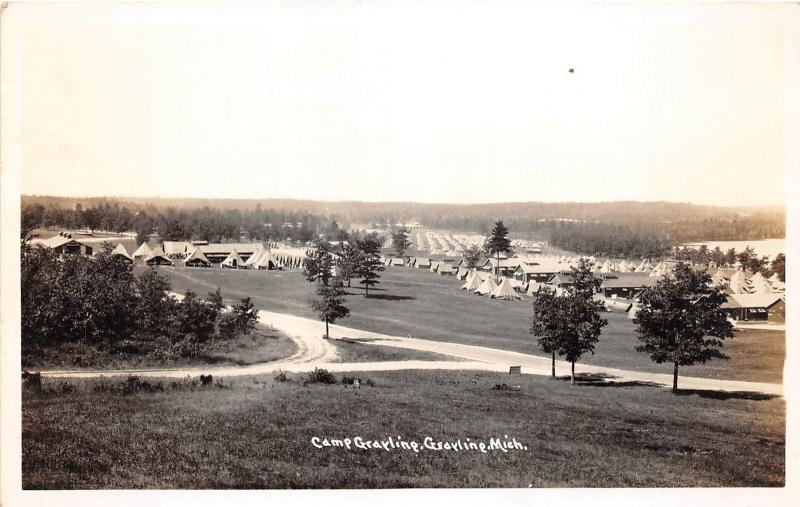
{"x": 400, "y": 242}
{"x": 498, "y": 243}
{"x": 371, "y": 264}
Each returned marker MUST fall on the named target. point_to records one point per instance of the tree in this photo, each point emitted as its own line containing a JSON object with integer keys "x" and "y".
{"x": 215, "y": 300}
{"x": 680, "y": 320}
{"x": 400, "y": 241}
{"x": 318, "y": 269}
{"x": 547, "y": 320}
{"x": 330, "y": 303}
{"x": 750, "y": 261}
{"x": 472, "y": 255}
{"x": 350, "y": 258}
{"x": 569, "y": 324}
{"x": 498, "y": 243}
{"x": 779, "y": 266}
{"x": 30, "y": 218}
{"x": 370, "y": 264}
{"x": 581, "y": 321}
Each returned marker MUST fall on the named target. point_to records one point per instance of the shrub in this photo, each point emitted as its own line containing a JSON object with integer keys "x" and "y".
{"x": 281, "y": 377}
{"x": 321, "y": 376}
{"x": 348, "y": 380}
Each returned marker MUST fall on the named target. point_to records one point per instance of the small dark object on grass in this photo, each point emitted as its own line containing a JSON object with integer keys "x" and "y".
{"x": 500, "y": 387}
{"x": 67, "y": 388}
{"x": 33, "y": 380}
{"x": 348, "y": 381}
{"x": 321, "y": 376}
{"x": 281, "y": 377}
{"x": 370, "y": 382}
{"x": 206, "y": 380}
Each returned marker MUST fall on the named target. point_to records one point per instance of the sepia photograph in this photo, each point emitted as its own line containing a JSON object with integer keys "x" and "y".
{"x": 527, "y": 249}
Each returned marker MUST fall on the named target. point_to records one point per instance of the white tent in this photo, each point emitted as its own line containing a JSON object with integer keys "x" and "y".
{"x": 232, "y": 260}
{"x": 623, "y": 267}
{"x": 760, "y": 285}
{"x": 505, "y": 291}
{"x": 142, "y": 252}
{"x": 473, "y": 282}
{"x": 120, "y": 250}
{"x": 261, "y": 259}
{"x": 487, "y": 287}
{"x": 739, "y": 284}
{"x": 197, "y": 258}
{"x": 157, "y": 258}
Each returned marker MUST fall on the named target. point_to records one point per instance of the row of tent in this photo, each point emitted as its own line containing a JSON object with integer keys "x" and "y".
{"x": 483, "y": 284}
{"x": 261, "y": 259}
{"x": 737, "y": 282}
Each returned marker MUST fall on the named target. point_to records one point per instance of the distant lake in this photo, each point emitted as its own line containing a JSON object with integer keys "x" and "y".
{"x": 768, "y": 247}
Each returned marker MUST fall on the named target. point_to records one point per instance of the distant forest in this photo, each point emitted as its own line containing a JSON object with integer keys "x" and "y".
{"x": 632, "y": 229}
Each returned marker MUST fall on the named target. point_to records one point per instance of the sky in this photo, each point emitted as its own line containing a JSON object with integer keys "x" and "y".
{"x": 409, "y": 102}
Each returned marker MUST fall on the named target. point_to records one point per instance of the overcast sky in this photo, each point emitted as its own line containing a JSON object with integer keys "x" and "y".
{"x": 382, "y": 102}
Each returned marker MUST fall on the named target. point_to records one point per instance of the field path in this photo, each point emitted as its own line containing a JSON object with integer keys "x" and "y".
{"x": 314, "y": 351}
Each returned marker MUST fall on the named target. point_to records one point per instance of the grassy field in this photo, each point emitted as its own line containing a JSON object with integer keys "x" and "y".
{"x": 255, "y": 432}
{"x": 262, "y": 345}
{"x": 425, "y": 305}
{"x": 356, "y": 351}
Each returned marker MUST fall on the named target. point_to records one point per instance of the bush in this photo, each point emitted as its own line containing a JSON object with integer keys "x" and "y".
{"x": 321, "y": 376}
{"x": 281, "y": 377}
{"x": 348, "y": 381}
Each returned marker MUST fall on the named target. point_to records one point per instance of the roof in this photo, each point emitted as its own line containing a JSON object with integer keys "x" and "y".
{"x": 197, "y": 255}
{"x": 143, "y": 250}
{"x": 227, "y": 248}
{"x": 625, "y": 280}
{"x": 176, "y": 247}
{"x": 751, "y": 300}
{"x": 545, "y": 267}
{"x": 120, "y": 250}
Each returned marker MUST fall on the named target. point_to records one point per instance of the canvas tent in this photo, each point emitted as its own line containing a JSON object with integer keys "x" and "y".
{"x": 739, "y": 284}
{"x": 487, "y": 287}
{"x": 197, "y": 259}
{"x": 473, "y": 282}
{"x": 121, "y": 252}
{"x": 157, "y": 258}
{"x": 505, "y": 291}
{"x": 233, "y": 261}
{"x": 262, "y": 259}
{"x": 142, "y": 252}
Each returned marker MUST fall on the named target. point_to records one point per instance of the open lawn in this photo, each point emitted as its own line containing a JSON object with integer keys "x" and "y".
{"x": 360, "y": 351}
{"x": 426, "y": 305}
{"x": 262, "y": 345}
{"x": 253, "y": 432}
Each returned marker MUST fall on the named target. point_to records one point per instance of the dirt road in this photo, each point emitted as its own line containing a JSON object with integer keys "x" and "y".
{"x": 314, "y": 351}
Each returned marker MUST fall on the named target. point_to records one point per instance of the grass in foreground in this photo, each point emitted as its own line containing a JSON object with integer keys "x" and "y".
{"x": 426, "y": 305}
{"x": 256, "y": 432}
{"x": 262, "y": 345}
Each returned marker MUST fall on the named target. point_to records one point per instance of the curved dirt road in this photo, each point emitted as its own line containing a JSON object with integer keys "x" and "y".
{"x": 314, "y": 351}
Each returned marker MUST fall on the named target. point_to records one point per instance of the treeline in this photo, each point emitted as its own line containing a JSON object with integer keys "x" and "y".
{"x": 630, "y": 229}
{"x": 606, "y": 240}
{"x": 205, "y": 223}
{"x": 98, "y": 302}
{"x": 747, "y": 258}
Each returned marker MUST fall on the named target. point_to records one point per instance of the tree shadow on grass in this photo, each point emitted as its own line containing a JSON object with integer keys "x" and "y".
{"x": 390, "y": 297}
{"x": 726, "y": 395}
{"x": 605, "y": 380}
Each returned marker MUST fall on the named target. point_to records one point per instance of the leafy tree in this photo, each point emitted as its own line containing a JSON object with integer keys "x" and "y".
{"x": 318, "y": 267}
{"x": 779, "y": 266}
{"x": 154, "y": 306}
{"x": 196, "y": 317}
{"x": 400, "y": 241}
{"x": 215, "y": 300}
{"x": 750, "y": 261}
{"x": 569, "y": 324}
{"x": 730, "y": 257}
{"x": 498, "y": 243}
{"x": 371, "y": 264}
{"x": 330, "y": 303}
{"x": 30, "y": 218}
{"x": 473, "y": 255}
{"x": 680, "y": 320}
{"x": 547, "y": 321}
{"x": 581, "y": 322}
{"x": 350, "y": 258}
